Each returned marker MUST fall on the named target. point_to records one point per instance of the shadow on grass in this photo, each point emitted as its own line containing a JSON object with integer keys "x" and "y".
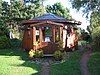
{"x": 34, "y": 66}
{"x": 23, "y": 56}
{"x": 14, "y": 52}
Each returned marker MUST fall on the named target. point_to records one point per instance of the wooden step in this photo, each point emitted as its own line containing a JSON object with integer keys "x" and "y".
{"x": 48, "y": 55}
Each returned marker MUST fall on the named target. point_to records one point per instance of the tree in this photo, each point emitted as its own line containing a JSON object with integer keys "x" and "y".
{"x": 14, "y": 13}
{"x": 0, "y": 7}
{"x": 4, "y": 16}
{"x": 96, "y": 37}
{"x": 95, "y": 20}
{"x": 86, "y": 5}
{"x": 36, "y": 7}
{"x": 16, "y": 9}
{"x": 89, "y": 29}
{"x": 58, "y": 9}
{"x": 92, "y": 6}
{"x": 5, "y": 10}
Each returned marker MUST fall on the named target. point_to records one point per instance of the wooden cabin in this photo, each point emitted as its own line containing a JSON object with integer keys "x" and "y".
{"x": 46, "y": 30}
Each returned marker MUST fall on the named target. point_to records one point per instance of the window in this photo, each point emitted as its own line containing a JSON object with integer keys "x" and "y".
{"x": 47, "y": 34}
{"x": 37, "y": 34}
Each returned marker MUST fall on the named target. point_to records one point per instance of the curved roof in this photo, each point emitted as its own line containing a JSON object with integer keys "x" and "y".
{"x": 49, "y": 16}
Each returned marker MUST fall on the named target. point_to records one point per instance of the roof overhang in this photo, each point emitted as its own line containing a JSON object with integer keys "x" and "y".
{"x": 25, "y": 22}
{"x": 53, "y": 18}
{"x": 46, "y": 23}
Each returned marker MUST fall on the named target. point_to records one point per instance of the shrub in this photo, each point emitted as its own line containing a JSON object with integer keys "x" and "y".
{"x": 60, "y": 45}
{"x": 38, "y": 53}
{"x": 4, "y": 42}
{"x": 3, "y": 28}
{"x": 31, "y": 53}
{"x": 15, "y": 42}
{"x": 35, "y": 53}
{"x": 58, "y": 55}
{"x": 96, "y": 38}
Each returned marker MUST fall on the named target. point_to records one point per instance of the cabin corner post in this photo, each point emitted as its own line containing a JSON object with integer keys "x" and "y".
{"x": 60, "y": 33}
{"x": 53, "y": 33}
{"x": 34, "y": 37}
{"x": 24, "y": 41}
{"x": 40, "y": 35}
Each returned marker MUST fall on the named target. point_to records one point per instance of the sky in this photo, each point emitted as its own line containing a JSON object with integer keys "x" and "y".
{"x": 75, "y": 14}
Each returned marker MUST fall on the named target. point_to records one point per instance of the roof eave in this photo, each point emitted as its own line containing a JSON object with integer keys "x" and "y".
{"x": 61, "y": 21}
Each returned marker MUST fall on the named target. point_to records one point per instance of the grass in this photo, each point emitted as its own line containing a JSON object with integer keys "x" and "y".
{"x": 69, "y": 67}
{"x": 94, "y": 63}
{"x": 16, "y": 62}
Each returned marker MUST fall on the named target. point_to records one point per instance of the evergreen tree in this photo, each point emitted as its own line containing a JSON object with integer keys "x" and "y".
{"x": 58, "y": 9}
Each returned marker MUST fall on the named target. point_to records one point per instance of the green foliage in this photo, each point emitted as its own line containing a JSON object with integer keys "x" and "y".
{"x": 86, "y": 5}
{"x": 58, "y": 9}
{"x": 86, "y": 37}
{"x": 38, "y": 53}
{"x": 12, "y": 14}
{"x": 5, "y": 10}
{"x": 16, "y": 7}
{"x": 0, "y": 7}
{"x": 31, "y": 53}
{"x": 89, "y": 6}
{"x": 15, "y": 43}
{"x": 93, "y": 64}
{"x": 95, "y": 20}
{"x": 30, "y": 11}
{"x": 3, "y": 29}
{"x": 60, "y": 45}
{"x": 19, "y": 9}
{"x": 35, "y": 53}
{"x": 96, "y": 38}
{"x": 4, "y": 42}
{"x": 58, "y": 55}
{"x": 89, "y": 29}
{"x": 82, "y": 43}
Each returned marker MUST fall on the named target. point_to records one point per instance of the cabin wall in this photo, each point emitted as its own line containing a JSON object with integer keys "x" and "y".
{"x": 24, "y": 44}
{"x": 27, "y": 40}
{"x": 48, "y": 47}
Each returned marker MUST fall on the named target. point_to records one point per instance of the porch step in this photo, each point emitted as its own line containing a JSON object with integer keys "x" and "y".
{"x": 48, "y": 55}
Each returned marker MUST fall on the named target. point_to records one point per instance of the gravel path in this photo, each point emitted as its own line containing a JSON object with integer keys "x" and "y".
{"x": 45, "y": 69}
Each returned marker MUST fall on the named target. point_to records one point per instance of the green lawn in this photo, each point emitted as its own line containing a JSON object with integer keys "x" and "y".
{"x": 70, "y": 67}
{"x": 94, "y": 63}
{"x": 16, "y": 62}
